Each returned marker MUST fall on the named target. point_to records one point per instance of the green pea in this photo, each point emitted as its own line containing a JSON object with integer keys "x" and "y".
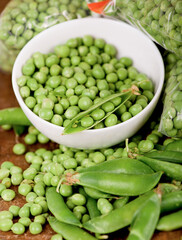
{"x": 6, "y": 214}
{"x": 8, "y": 195}
{"x": 111, "y": 120}
{"x": 6, "y": 225}
{"x": 14, "y": 210}
{"x": 18, "y": 228}
{"x": 57, "y": 237}
{"x": 28, "y": 69}
{"x": 146, "y": 145}
{"x": 24, "y": 189}
{"x": 62, "y": 51}
{"x": 17, "y": 178}
{"x": 135, "y": 109}
{"x": 35, "y": 209}
{"x": 4, "y": 173}
{"x": 25, "y": 221}
{"x": 35, "y": 228}
{"x": 19, "y": 149}
{"x": 98, "y": 72}
{"x": 104, "y": 206}
{"x": 84, "y": 103}
{"x": 78, "y": 199}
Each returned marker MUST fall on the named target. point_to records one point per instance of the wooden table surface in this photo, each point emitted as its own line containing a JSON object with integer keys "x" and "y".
{"x": 7, "y": 140}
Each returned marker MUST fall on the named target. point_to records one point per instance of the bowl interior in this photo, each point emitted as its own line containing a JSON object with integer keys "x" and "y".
{"x": 129, "y": 42}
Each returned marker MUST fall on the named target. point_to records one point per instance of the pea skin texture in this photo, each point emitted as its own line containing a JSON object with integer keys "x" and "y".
{"x": 78, "y": 83}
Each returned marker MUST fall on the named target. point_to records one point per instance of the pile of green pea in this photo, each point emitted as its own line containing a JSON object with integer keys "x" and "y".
{"x": 21, "y": 20}
{"x": 161, "y": 19}
{"x": 74, "y": 204}
{"x": 171, "y": 120}
{"x": 76, "y": 76}
{"x": 46, "y": 168}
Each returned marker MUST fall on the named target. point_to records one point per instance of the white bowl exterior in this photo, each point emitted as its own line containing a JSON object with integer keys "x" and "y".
{"x": 129, "y": 42}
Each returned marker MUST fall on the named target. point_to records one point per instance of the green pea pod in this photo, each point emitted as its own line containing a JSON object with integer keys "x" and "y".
{"x": 172, "y": 170}
{"x": 69, "y": 231}
{"x": 159, "y": 147}
{"x": 96, "y": 194}
{"x": 118, "y": 184}
{"x": 171, "y": 201}
{"x": 13, "y": 116}
{"x": 19, "y": 129}
{"x": 59, "y": 209}
{"x": 145, "y": 221}
{"x": 118, "y": 218}
{"x": 74, "y": 125}
{"x": 120, "y": 165}
{"x": 174, "y": 146}
{"x": 120, "y": 202}
{"x": 170, "y": 222}
{"x": 169, "y": 156}
{"x": 91, "y": 204}
{"x": 92, "y": 207}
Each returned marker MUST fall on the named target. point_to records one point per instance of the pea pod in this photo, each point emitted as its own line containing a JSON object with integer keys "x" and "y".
{"x": 19, "y": 129}
{"x": 74, "y": 125}
{"x": 167, "y": 188}
{"x": 58, "y": 207}
{"x": 96, "y": 194}
{"x": 172, "y": 170}
{"x": 146, "y": 219}
{"x": 91, "y": 204}
{"x": 118, "y": 218}
{"x": 170, "y": 222}
{"x": 169, "y": 156}
{"x": 171, "y": 201}
{"x": 120, "y": 165}
{"x": 69, "y": 231}
{"x": 118, "y": 184}
{"x": 120, "y": 202}
{"x": 174, "y": 146}
{"x": 13, "y": 116}
{"x": 92, "y": 207}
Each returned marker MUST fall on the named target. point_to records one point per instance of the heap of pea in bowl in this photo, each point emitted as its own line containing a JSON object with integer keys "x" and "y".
{"x": 84, "y": 82}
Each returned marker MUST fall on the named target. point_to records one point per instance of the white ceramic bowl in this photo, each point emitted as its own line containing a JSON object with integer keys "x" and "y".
{"x": 129, "y": 42}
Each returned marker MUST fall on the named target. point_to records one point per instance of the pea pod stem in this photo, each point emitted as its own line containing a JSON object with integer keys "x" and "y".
{"x": 172, "y": 170}
{"x": 69, "y": 231}
{"x": 146, "y": 219}
{"x": 59, "y": 209}
{"x": 118, "y": 184}
{"x": 69, "y": 129}
{"x": 13, "y": 116}
{"x": 118, "y": 218}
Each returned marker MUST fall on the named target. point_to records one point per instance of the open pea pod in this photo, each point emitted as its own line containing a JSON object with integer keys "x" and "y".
{"x": 75, "y": 126}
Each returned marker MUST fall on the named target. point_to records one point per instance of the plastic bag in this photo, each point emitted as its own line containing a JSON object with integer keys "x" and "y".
{"x": 159, "y": 19}
{"x": 171, "y": 118}
{"x": 21, "y": 20}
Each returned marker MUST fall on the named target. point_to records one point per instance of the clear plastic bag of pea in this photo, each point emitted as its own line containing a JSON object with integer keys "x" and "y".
{"x": 171, "y": 118}
{"x": 161, "y": 20}
{"x": 21, "y": 20}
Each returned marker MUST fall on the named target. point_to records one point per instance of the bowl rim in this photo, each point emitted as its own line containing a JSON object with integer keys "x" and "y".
{"x": 61, "y": 128}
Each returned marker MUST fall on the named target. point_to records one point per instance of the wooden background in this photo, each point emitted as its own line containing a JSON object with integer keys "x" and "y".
{"x": 7, "y": 140}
